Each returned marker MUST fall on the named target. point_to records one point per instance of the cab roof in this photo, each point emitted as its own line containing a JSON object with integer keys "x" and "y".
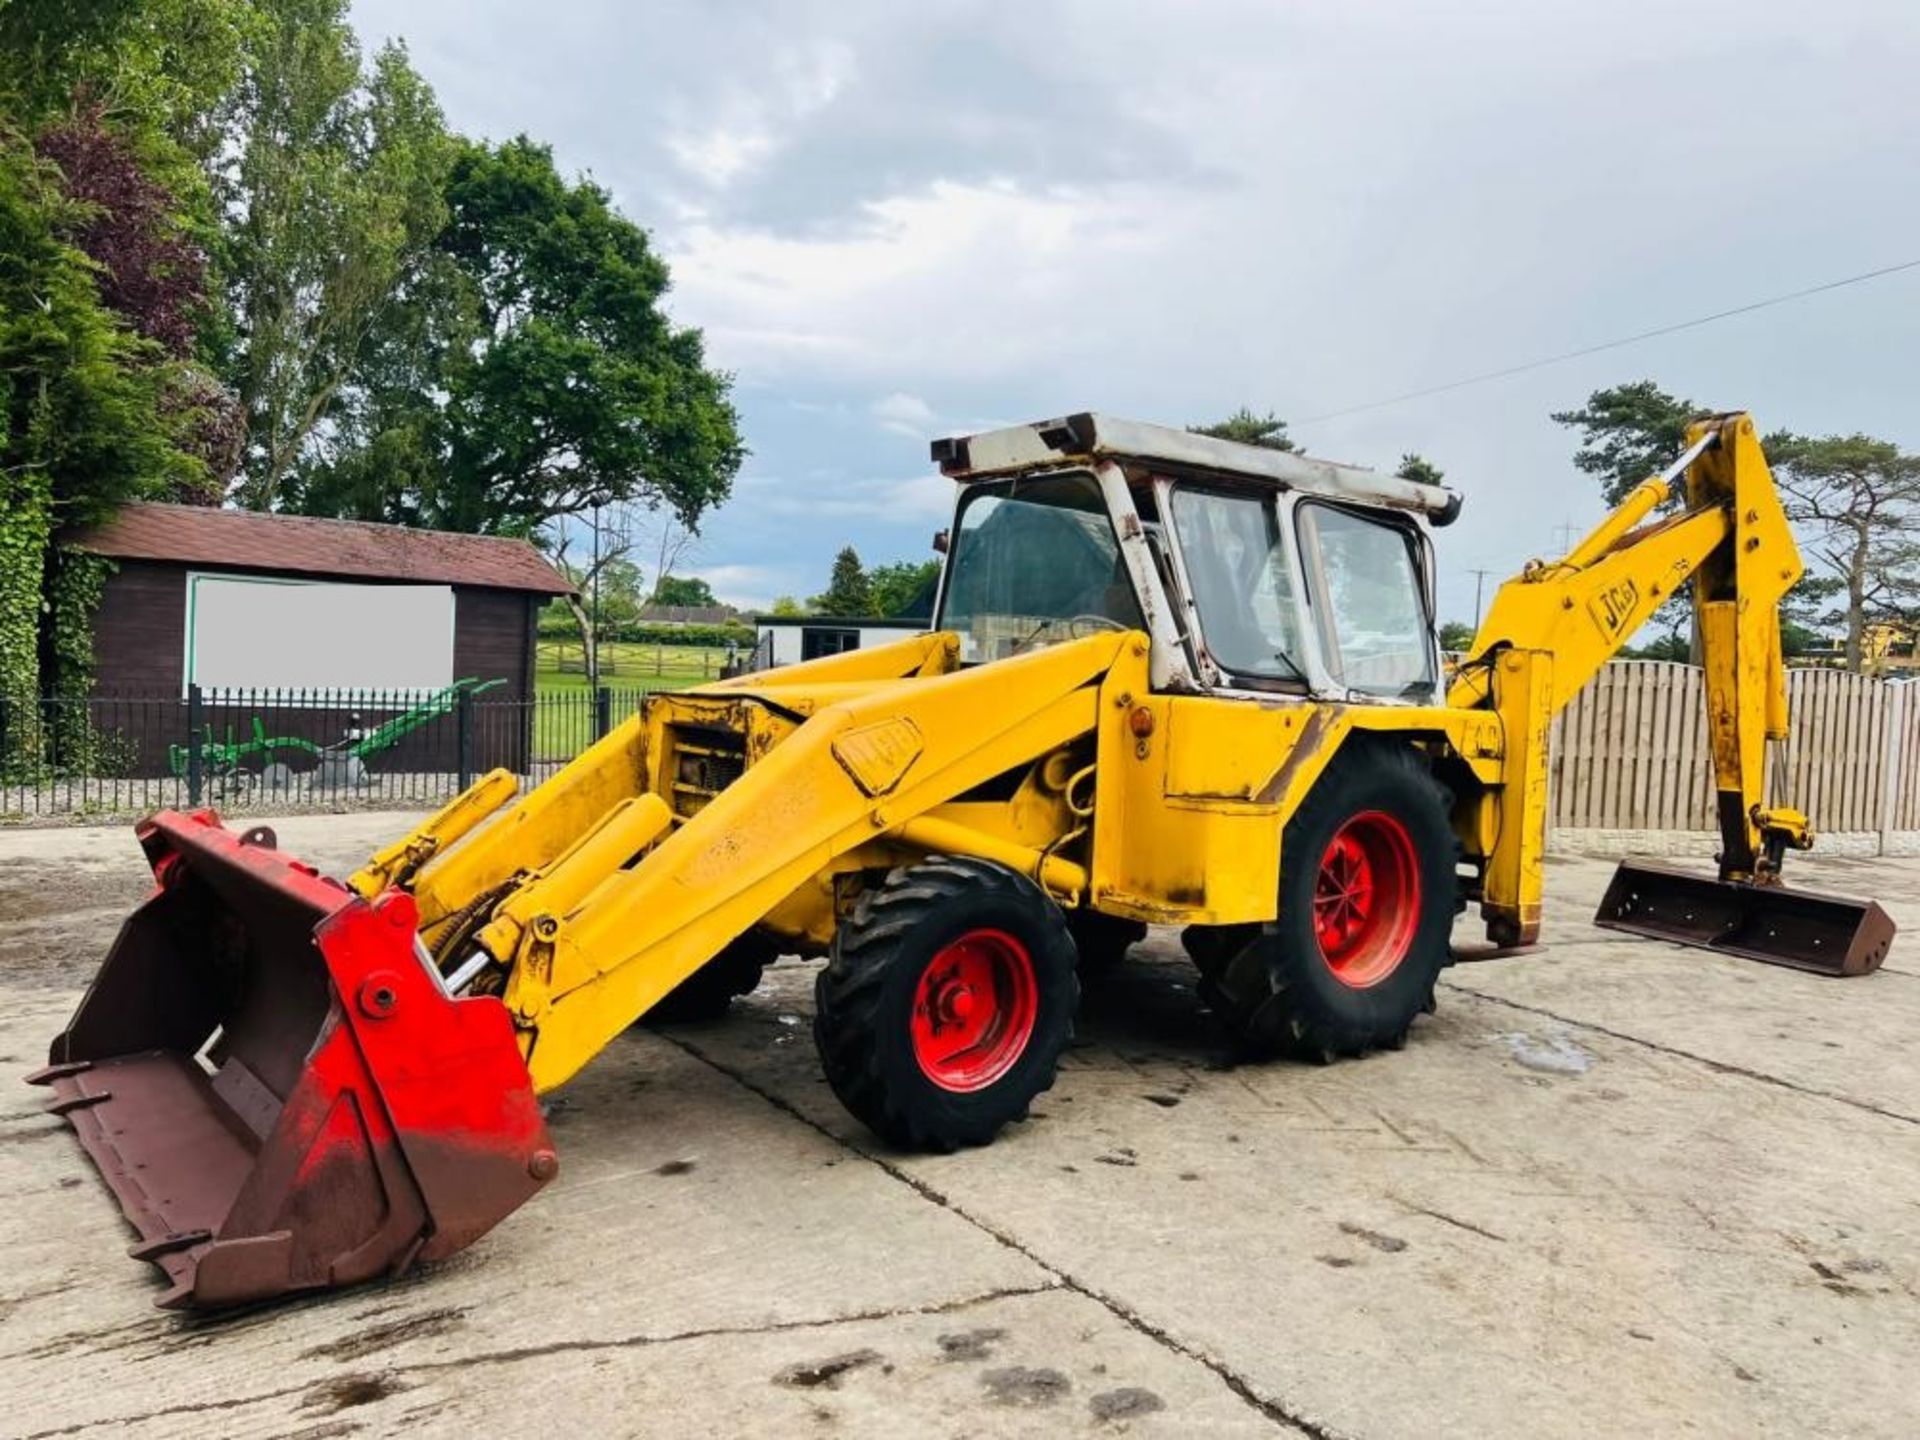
{"x": 1087, "y": 437}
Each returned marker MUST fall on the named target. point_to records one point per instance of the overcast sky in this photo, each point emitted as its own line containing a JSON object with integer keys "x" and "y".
{"x": 900, "y": 220}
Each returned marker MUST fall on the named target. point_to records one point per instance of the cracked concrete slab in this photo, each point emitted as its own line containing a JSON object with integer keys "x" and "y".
{"x": 1599, "y": 1192}
{"x": 685, "y": 1203}
{"x": 1049, "y": 1364}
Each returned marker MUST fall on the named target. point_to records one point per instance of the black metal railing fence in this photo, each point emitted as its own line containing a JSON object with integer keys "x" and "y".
{"x": 111, "y": 754}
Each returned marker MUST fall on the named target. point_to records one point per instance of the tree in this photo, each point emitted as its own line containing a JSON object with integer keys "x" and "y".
{"x": 332, "y": 176}
{"x": 1628, "y": 433}
{"x": 848, "y": 591}
{"x": 1671, "y": 646}
{"x": 157, "y": 66}
{"x": 529, "y": 374}
{"x": 1856, "y": 501}
{"x": 151, "y": 273}
{"x": 687, "y": 591}
{"x": 1267, "y": 431}
{"x": 80, "y": 419}
{"x": 1456, "y": 636}
{"x": 129, "y": 225}
{"x": 1420, "y": 470}
{"x": 99, "y": 292}
{"x": 787, "y": 606}
{"x": 894, "y": 588}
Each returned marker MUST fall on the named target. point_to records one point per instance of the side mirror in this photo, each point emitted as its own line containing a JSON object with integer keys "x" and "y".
{"x": 941, "y": 541}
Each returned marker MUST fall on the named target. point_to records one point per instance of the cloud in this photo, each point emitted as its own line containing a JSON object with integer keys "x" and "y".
{"x": 754, "y": 587}
{"x": 881, "y": 501}
{"x": 1171, "y": 211}
{"x": 904, "y": 414}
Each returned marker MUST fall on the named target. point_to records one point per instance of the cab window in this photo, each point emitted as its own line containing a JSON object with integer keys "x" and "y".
{"x": 1243, "y": 584}
{"x": 1035, "y": 562}
{"x": 1363, "y": 581}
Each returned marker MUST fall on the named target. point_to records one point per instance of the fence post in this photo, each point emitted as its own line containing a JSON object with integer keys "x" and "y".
{"x": 196, "y": 721}
{"x": 1890, "y": 763}
{"x": 602, "y": 712}
{"x": 463, "y": 709}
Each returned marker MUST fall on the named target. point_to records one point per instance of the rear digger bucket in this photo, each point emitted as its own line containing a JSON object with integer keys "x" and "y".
{"x": 1826, "y": 934}
{"x": 276, "y": 1085}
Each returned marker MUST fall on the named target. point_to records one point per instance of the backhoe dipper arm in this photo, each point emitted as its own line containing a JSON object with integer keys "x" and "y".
{"x": 1552, "y": 627}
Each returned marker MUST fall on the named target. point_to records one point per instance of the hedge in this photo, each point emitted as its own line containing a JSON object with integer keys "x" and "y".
{"x": 706, "y": 636}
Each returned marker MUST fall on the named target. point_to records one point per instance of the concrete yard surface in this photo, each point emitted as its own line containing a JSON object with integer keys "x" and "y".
{"x": 1613, "y": 1187}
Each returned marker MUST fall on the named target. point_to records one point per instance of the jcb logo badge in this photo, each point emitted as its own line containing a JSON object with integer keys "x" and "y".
{"x": 1613, "y": 607}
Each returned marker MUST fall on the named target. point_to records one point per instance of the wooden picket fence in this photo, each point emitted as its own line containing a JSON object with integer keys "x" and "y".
{"x": 1630, "y": 753}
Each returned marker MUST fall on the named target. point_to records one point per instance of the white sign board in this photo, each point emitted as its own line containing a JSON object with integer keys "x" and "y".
{"x": 248, "y": 633}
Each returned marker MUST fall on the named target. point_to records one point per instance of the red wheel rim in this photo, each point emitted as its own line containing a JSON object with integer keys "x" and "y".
{"x": 1366, "y": 899}
{"x": 974, "y": 1009}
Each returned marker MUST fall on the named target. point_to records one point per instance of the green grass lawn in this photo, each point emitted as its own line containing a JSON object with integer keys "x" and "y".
{"x": 626, "y": 667}
{"x": 564, "y": 721}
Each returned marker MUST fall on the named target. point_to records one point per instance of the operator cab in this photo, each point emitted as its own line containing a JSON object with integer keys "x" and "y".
{"x": 1252, "y": 570}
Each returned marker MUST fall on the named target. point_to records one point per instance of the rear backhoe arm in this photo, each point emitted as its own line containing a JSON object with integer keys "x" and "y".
{"x": 1551, "y": 628}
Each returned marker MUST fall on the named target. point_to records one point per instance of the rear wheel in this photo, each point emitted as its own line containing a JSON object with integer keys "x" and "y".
{"x": 946, "y": 1003}
{"x": 1101, "y": 941}
{"x": 1364, "y": 919}
{"x": 709, "y": 992}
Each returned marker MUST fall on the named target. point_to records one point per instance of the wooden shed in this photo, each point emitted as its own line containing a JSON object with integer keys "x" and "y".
{"x": 285, "y": 606}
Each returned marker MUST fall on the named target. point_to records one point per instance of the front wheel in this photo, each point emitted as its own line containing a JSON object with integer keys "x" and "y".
{"x": 1364, "y": 919}
{"x": 946, "y": 1003}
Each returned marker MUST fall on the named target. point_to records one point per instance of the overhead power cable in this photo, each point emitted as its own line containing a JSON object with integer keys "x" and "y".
{"x": 1634, "y": 339}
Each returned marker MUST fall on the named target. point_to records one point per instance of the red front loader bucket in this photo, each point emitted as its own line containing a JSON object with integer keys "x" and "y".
{"x": 276, "y": 1085}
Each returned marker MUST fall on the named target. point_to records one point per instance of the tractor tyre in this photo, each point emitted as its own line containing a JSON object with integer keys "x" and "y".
{"x": 946, "y": 1002}
{"x": 1364, "y": 922}
{"x": 709, "y": 992}
{"x": 1101, "y": 942}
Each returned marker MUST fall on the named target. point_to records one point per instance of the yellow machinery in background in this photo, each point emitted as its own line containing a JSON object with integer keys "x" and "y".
{"x": 1171, "y": 680}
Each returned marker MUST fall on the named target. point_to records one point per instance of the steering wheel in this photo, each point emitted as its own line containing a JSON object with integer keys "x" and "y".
{"x": 1072, "y": 624}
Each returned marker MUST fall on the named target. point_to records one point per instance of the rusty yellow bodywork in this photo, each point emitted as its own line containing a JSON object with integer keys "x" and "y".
{"x": 768, "y": 800}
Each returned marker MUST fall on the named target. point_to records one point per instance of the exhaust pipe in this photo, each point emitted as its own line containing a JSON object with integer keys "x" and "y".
{"x": 1822, "y": 934}
{"x": 280, "y": 1092}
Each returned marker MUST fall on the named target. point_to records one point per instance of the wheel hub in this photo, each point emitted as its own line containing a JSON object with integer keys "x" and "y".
{"x": 1366, "y": 899}
{"x": 974, "y": 1010}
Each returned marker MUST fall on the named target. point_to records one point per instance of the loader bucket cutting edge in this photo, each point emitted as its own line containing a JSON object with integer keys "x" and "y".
{"x": 1824, "y": 934}
{"x": 278, "y": 1090}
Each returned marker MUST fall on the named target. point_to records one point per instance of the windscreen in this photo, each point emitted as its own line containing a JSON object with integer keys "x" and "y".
{"x": 1035, "y": 562}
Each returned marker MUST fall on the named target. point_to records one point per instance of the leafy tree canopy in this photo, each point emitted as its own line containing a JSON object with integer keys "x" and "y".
{"x": 684, "y": 590}
{"x": 530, "y": 370}
{"x": 848, "y": 591}
{"x": 1268, "y": 431}
{"x": 1628, "y": 432}
{"x": 1855, "y": 501}
{"x": 897, "y": 587}
{"x": 81, "y": 423}
{"x": 1420, "y": 470}
{"x": 333, "y": 174}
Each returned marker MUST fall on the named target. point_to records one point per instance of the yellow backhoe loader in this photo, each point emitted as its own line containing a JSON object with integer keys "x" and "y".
{"x": 1171, "y": 680}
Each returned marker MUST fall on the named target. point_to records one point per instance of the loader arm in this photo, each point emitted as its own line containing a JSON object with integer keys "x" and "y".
{"x": 1551, "y": 628}
{"x": 596, "y": 937}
